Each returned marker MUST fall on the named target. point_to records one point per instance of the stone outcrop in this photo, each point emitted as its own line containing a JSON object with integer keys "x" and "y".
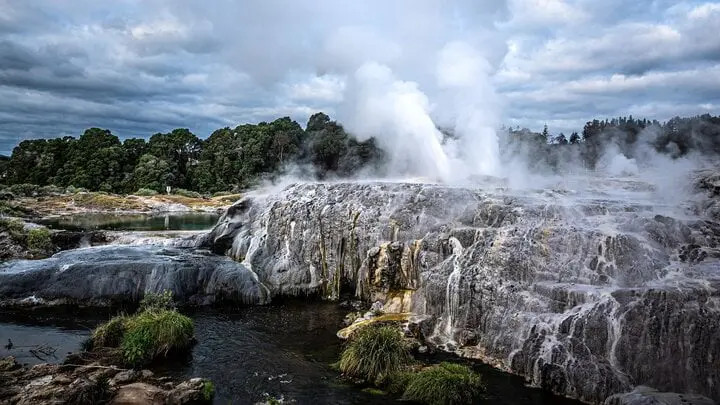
{"x": 108, "y": 275}
{"x": 585, "y": 294}
{"x": 90, "y": 384}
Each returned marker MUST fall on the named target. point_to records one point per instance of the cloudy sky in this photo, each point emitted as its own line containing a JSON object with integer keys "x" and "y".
{"x": 143, "y": 66}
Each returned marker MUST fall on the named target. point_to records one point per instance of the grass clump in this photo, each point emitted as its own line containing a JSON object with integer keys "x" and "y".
{"x": 375, "y": 353}
{"x": 39, "y": 239}
{"x": 208, "y": 390}
{"x": 445, "y": 384}
{"x": 153, "y": 334}
{"x": 157, "y": 301}
{"x": 110, "y": 334}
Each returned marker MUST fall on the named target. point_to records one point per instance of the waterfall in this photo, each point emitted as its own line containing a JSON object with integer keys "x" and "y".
{"x": 452, "y": 291}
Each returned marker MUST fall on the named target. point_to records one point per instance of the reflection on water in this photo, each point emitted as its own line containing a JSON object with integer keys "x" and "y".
{"x": 194, "y": 221}
{"x": 283, "y": 350}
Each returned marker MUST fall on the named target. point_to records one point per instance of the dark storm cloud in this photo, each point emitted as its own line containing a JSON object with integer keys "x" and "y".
{"x": 139, "y": 67}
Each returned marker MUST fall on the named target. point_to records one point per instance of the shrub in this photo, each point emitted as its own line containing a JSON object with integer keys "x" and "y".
{"x": 39, "y": 239}
{"x": 187, "y": 193}
{"x": 110, "y": 334}
{"x": 375, "y": 353}
{"x": 397, "y": 383}
{"x": 146, "y": 192}
{"x": 445, "y": 384}
{"x": 157, "y": 301}
{"x": 51, "y": 190}
{"x": 152, "y": 334}
{"x": 25, "y": 190}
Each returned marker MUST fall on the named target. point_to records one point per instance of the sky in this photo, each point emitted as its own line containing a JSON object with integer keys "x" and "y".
{"x": 138, "y": 67}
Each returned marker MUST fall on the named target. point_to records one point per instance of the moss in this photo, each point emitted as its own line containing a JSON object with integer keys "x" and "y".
{"x": 373, "y": 391}
{"x": 445, "y": 384}
{"x": 39, "y": 239}
{"x": 375, "y": 353}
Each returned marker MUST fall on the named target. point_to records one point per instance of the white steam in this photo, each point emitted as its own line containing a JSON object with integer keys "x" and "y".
{"x": 403, "y": 119}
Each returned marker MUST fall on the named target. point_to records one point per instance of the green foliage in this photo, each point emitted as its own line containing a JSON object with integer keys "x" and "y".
{"x": 229, "y": 159}
{"x": 374, "y": 353}
{"x": 445, "y": 384}
{"x": 39, "y": 239}
{"x": 157, "y": 301}
{"x": 187, "y": 193}
{"x": 208, "y": 390}
{"x": 25, "y": 189}
{"x": 397, "y": 383}
{"x": 146, "y": 192}
{"x": 110, "y": 334}
{"x": 13, "y": 226}
{"x": 155, "y": 333}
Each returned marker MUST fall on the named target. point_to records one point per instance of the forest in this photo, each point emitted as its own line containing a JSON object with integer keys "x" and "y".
{"x": 240, "y": 157}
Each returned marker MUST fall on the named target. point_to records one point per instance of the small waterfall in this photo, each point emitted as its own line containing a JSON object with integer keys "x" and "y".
{"x": 452, "y": 291}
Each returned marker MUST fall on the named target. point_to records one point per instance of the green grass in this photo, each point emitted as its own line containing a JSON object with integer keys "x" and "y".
{"x": 445, "y": 384}
{"x": 110, "y": 334}
{"x": 157, "y": 301}
{"x": 375, "y": 353}
{"x": 39, "y": 239}
{"x": 208, "y": 391}
{"x": 152, "y": 334}
{"x": 146, "y": 192}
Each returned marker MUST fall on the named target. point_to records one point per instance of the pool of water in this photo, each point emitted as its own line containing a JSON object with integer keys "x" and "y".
{"x": 194, "y": 221}
{"x": 284, "y": 350}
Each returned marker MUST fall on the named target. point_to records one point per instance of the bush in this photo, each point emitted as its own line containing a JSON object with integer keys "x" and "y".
{"x": 445, "y": 384}
{"x": 51, "y": 190}
{"x": 187, "y": 193}
{"x": 155, "y": 301}
{"x": 25, "y": 190}
{"x": 146, "y": 192}
{"x": 152, "y": 334}
{"x": 39, "y": 239}
{"x": 110, "y": 334}
{"x": 375, "y": 353}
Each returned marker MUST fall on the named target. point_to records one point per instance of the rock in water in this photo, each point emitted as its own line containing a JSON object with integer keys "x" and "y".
{"x": 585, "y": 294}
{"x": 114, "y": 274}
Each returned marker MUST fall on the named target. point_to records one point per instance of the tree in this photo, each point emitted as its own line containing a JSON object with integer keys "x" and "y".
{"x": 574, "y": 138}
{"x": 560, "y": 139}
{"x": 545, "y": 133}
{"x": 153, "y": 173}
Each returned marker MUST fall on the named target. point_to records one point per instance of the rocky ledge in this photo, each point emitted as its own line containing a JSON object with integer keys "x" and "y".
{"x": 94, "y": 383}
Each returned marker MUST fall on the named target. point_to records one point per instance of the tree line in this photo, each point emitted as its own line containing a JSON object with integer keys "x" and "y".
{"x": 631, "y": 137}
{"x": 237, "y": 158}
{"x": 230, "y": 158}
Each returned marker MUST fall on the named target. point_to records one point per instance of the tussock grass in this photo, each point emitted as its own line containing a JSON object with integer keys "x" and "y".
{"x": 152, "y": 334}
{"x": 110, "y": 334}
{"x": 445, "y": 384}
{"x": 375, "y": 353}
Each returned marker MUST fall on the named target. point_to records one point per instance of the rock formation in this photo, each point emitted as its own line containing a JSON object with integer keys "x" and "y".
{"x": 585, "y": 294}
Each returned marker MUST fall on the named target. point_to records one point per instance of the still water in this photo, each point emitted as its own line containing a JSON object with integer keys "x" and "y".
{"x": 283, "y": 350}
{"x": 194, "y": 221}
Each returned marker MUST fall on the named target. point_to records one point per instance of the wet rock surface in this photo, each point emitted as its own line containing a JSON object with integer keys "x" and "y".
{"x": 91, "y": 384}
{"x": 585, "y": 294}
{"x": 110, "y": 275}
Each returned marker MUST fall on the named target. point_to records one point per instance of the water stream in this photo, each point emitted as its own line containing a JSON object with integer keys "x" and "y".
{"x": 283, "y": 350}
